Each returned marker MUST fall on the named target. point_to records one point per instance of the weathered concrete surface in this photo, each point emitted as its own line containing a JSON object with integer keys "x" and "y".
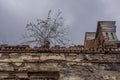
{"x": 70, "y": 66}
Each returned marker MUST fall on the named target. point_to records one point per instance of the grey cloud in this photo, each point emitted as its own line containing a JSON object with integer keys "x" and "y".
{"x": 80, "y": 15}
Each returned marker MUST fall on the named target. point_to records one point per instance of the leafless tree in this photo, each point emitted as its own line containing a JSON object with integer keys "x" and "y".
{"x": 50, "y": 31}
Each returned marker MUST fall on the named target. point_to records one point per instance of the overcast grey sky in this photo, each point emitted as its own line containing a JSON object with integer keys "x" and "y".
{"x": 80, "y": 15}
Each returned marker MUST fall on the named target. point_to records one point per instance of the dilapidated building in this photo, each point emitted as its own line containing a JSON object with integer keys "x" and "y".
{"x": 98, "y": 59}
{"x": 104, "y": 37}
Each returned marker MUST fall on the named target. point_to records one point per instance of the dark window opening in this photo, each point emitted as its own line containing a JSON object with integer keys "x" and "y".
{"x": 113, "y": 36}
{"x": 107, "y": 35}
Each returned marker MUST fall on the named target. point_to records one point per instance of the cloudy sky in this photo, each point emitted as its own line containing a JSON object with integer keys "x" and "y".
{"x": 80, "y": 15}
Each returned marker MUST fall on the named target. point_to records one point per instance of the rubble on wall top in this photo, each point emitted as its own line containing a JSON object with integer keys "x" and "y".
{"x": 58, "y": 49}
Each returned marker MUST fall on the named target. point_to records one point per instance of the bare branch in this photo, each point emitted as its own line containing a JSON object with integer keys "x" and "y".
{"x": 51, "y": 30}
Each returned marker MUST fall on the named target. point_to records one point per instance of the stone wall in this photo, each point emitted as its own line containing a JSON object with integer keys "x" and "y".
{"x": 75, "y": 65}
